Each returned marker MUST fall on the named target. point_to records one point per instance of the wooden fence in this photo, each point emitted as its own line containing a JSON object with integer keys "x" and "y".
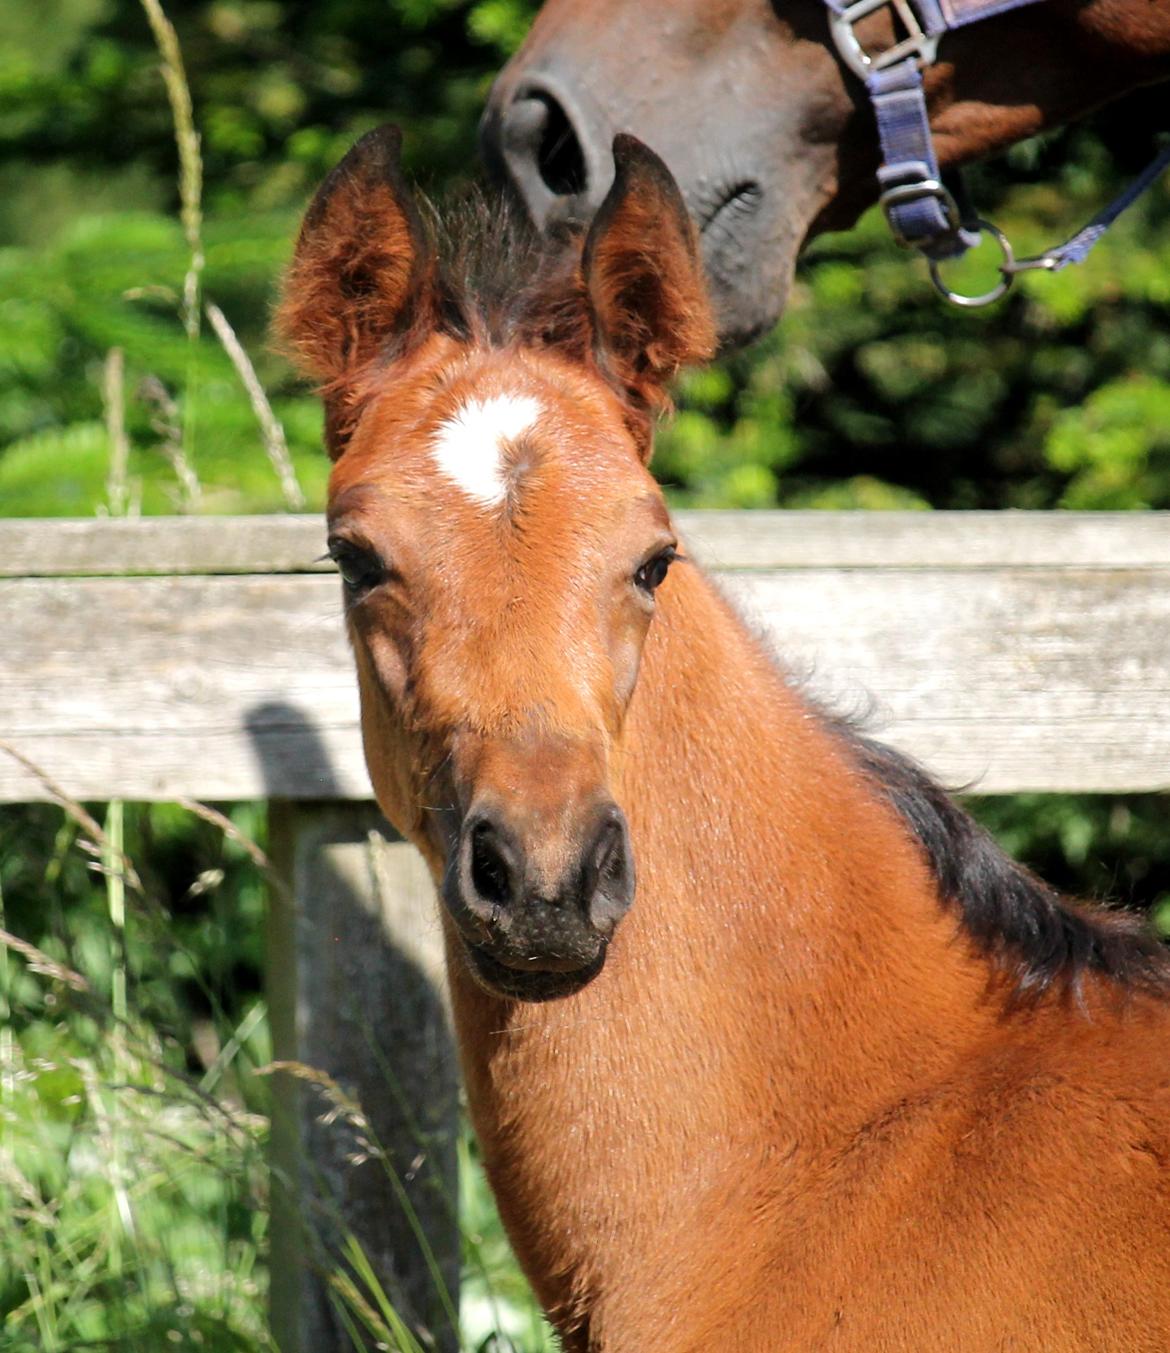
{"x": 205, "y": 658}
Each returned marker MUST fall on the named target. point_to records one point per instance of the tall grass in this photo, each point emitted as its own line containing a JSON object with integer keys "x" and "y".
{"x": 190, "y": 193}
{"x": 133, "y": 1190}
{"x": 193, "y": 302}
{"x": 134, "y": 1104}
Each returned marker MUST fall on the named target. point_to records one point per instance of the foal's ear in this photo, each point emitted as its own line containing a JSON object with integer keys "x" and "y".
{"x": 644, "y": 279}
{"x": 359, "y": 276}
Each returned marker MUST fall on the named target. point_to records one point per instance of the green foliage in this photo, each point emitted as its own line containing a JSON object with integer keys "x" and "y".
{"x": 500, "y": 23}
{"x": 1112, "y": 848}
{"x": 132, "y": 1171}
{"x": 92, "y": 256}
{"x": 495, "y": 1298}
{"x": 134, "y": 1211}
{"x": 873, "y": 392}
{"x": 114, "y": 282}
{"x": 1116, "y": 448}
{"x": 132, "y": 1147}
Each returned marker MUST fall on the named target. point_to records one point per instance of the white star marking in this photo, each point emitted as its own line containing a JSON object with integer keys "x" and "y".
{"x": 468, "y": 447}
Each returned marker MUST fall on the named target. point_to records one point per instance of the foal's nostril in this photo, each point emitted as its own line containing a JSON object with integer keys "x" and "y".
{"x": 608, "y": 862}
{"x": 558, "y": 898}
{"x": 492, "y": 868}
{"x": 609, "y": 872}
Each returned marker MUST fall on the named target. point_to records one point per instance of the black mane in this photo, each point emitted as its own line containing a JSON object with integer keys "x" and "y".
{"x": 1039, "y": 939}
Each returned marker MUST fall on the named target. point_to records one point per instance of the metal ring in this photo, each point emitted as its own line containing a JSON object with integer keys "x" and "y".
{"x": 1006, "y": 273}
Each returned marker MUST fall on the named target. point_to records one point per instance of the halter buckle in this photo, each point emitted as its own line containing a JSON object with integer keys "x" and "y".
{"x": 901, "y": 193}
{"x": 917, "y": 42}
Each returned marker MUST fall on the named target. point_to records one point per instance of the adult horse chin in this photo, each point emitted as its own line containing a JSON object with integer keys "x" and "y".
{"x": 749, "y": 261}
{"x": 770, "y": 138}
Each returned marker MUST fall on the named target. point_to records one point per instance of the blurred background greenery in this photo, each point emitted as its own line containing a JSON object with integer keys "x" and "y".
{"x": 129, "y": 1230}
{"x": 870, "y": 394}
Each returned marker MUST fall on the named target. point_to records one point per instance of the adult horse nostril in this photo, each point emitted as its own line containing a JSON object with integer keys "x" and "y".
{"x": 559, "y": 156}
{"x": 521, "y": 129}
{"x": 541, "y": 146}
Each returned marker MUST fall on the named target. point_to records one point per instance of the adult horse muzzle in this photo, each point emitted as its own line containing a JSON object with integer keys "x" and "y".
{"x": 751, "y": 188}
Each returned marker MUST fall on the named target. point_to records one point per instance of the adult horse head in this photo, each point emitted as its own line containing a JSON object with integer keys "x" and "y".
{"x": 770, "y": 137}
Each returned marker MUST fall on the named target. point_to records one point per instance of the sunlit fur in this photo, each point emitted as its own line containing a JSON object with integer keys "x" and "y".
{"x": 848, "y": 1078}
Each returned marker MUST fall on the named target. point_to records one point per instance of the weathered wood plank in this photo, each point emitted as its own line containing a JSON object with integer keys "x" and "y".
{"x": 1002, "y": 681}
{"x": 930, "y": 540}
{"x": 150, "y": 688}
{"x": 231, "y": 687}
{"x": 123, "y": 546}
{"x": 726, "y": 540}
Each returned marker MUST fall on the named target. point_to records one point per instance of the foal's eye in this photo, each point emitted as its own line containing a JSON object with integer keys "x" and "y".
{"x": 360, "y": 568}
{"x": 653, "y": 571}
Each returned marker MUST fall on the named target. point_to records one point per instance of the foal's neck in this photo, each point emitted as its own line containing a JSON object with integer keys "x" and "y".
{"x": 785, "y": 975}
{"x": 801, "y": 901}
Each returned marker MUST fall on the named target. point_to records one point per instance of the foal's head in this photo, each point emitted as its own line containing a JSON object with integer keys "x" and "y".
{"x": 499, "y": 536}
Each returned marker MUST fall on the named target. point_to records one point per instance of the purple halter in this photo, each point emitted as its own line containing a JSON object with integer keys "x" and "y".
{"x": 921, "y": 211}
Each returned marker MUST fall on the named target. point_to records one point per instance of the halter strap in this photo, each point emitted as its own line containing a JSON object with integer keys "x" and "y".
{"x": 921, "y": 212}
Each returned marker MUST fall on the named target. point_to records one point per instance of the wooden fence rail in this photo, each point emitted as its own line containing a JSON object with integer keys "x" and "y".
{"x": 201, "y": 656}
{"x": 205, "y": 658}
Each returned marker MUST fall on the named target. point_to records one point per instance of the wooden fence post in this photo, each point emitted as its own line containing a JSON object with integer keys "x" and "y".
{"x": 364, "y": 1128}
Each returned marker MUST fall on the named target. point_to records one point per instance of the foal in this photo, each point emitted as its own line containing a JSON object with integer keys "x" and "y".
{"x": 842, "y": 1075}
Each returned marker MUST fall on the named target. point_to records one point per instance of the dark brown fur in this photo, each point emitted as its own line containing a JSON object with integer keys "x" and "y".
{"x": 1040, "y": 940}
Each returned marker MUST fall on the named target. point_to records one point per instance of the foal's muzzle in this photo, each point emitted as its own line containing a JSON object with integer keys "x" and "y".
{"x": 536, "y": 915}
